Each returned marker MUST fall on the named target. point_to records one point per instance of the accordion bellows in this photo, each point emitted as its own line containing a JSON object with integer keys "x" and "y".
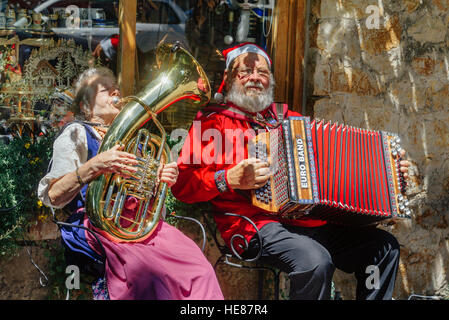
{"x": 331, "y": 172}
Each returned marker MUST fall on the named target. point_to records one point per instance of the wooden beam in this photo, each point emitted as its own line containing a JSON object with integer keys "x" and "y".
{"x": 127, "y": 46}
{"x": 279, "y": 43}
{"x": 299, "y": 52}
{"x": 287, "y": 50}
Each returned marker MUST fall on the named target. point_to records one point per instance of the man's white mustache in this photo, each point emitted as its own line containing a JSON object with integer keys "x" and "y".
{"x": 254, "y": 84}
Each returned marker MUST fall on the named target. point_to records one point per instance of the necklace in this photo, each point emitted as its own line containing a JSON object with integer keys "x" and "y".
{"x": 257, "y": 118}
{"x": 96, "y": 124}
{"x": 101, "y": 130}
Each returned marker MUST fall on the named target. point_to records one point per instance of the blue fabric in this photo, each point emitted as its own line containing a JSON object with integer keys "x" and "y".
{"x": 75, "y": 238}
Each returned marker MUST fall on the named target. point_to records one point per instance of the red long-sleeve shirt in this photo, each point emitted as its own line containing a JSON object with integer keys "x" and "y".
{"x": 214, "y": 137}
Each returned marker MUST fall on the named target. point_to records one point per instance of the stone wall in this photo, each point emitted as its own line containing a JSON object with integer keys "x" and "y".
{"x": 19, "y": 280}
{"x": 393, "y": 77}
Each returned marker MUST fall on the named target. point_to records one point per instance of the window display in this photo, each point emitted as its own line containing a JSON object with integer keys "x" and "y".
{"x": 45, "y": 45}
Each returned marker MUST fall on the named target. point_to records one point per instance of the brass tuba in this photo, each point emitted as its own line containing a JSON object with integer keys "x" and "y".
{"x": 180, "y": 84}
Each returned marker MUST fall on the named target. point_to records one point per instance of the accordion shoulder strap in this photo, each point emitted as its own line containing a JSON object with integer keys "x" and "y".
{"x": 281, "y": 111}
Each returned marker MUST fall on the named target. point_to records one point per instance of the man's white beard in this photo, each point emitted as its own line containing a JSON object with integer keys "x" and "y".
{"x": 252, "y": 103}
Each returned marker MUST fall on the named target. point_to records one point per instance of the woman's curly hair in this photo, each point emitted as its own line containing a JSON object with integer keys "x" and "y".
{"x": 85, "y": 92}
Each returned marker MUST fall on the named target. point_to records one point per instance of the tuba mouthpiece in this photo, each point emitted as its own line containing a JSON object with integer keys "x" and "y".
{"x": 115, "y": 100}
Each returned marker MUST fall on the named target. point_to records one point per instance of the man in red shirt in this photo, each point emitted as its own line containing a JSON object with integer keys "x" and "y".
{"x": 214, "y": 166}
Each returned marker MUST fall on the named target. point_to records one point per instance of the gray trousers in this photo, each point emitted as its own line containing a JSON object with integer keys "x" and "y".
{"x": 310, "y": 255}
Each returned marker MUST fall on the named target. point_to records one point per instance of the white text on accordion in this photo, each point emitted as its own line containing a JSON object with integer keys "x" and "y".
{"x": 302, "y": 163}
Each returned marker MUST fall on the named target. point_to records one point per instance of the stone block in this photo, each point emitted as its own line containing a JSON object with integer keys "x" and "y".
{"x": 349, "y": 9}
{"x": 43, "y": 230}
{"x": 428, "y": 29}
{"x": 344, "y": 77}
{"x": 385, "y": 38}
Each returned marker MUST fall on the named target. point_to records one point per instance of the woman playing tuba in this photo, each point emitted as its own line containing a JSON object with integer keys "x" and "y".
{"x": 166, "y": 265}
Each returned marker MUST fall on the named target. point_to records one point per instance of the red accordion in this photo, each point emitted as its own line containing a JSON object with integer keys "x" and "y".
{"x": 331, "y": 172}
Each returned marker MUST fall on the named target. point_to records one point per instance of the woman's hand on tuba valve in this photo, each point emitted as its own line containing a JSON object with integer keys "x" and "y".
{"x": 170, "y": 173}
{"x": 114, "y": 160}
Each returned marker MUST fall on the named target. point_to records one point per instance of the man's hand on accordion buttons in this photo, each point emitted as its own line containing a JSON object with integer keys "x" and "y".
{"x": 248, "y": 174}
{"x": 404, "y": 164}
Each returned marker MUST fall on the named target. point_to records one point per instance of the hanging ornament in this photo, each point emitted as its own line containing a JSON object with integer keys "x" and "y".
{"x": 243, "y": 27}
{"x": 247, "y": 27}
{"x": 228, "y": 39}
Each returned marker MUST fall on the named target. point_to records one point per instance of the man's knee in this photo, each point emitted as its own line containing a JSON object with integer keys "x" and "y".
{"x": 316, "y": 263}
{"x": 393, "y": 242}
{"x": 296, "y": 253}
{"x": 313, "y": 283}
{"x": 389, "y": 243}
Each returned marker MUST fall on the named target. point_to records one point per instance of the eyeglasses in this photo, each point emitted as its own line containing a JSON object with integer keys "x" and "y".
{"x": 246, "y": 72}
{"x": 109, "y": 90}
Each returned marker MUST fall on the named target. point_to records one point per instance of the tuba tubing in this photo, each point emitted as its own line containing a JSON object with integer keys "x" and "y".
{"x": 180, "y": 83}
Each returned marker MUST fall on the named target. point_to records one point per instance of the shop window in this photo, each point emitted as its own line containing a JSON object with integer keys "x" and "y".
{"x": 45, "y": 45}
{"x": 156, "y": 12}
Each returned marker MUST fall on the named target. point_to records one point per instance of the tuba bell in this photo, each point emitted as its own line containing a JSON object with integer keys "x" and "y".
{"x": 181, "y": 84}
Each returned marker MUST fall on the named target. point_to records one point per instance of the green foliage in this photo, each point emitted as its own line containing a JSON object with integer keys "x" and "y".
{"x": 54, "y": 252}
{"x": 23, "y": 162}
{"x": 179, "y": 208}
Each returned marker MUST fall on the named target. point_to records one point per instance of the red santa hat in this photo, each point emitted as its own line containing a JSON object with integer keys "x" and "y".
{"x": 231, "y": 54}
{"x": 110, "y": 46}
